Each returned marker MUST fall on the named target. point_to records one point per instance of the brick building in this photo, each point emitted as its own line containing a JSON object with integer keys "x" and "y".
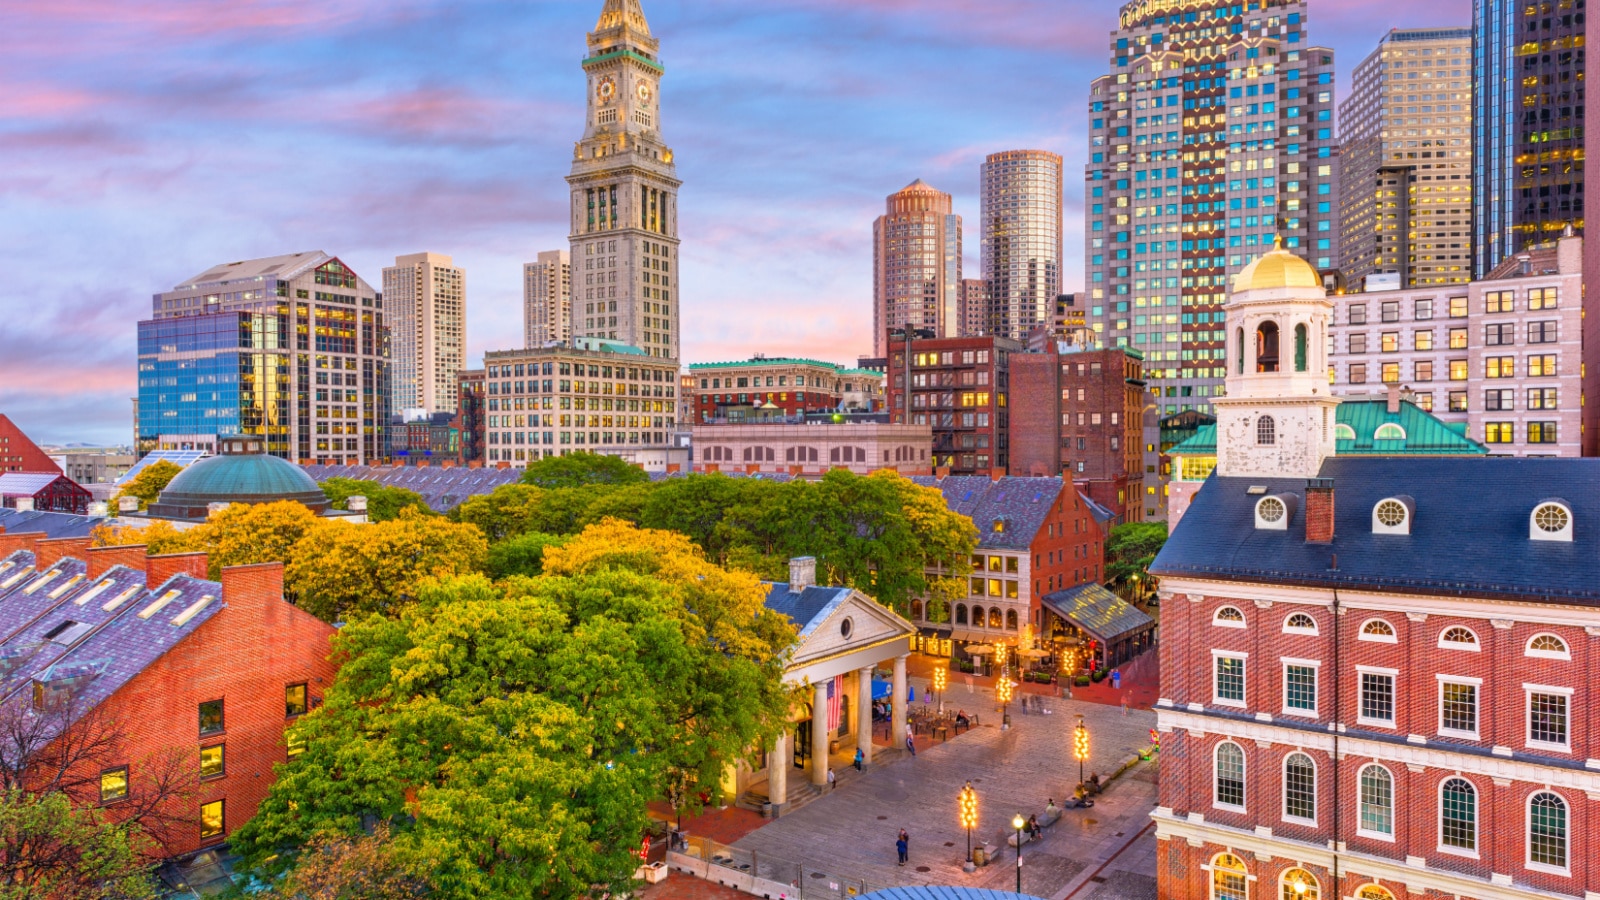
{"x": 959, "y": 387}
{"x": 19, "y": 454}
{"x": 780, "y": 386}
{"x": 43, "y": 492}
{"x": 472, "y": 415}
{"x": 1078, "y": 412}
{"x": 811, "y": 449}
{"x": 1375, "y": 683}
{"x": 214, "y": 670}
{"x": 433, "y": 436}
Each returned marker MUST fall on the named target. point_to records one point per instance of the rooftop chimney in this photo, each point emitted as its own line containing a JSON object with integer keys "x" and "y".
{"x": 356, "y": 503}
{"x": 1319, "y": 511}
{"x": 24, "y": 504}
{"x": 128, "y": 504}
{"x": 802, "y": 573}
{"x": 1394, "y": 398}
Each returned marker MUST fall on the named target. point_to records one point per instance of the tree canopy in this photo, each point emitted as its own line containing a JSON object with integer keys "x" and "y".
{"x": 383, "y": 502}
{"x": 515, "y": 732}
{"x": 1130, "y": 551}
{"x": 582, "y": 468}
{"x": 341, "y": 571}
{"x": 149, "y": 483}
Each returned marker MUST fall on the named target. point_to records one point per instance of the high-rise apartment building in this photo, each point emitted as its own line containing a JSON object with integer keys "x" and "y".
{"x": 291, "y": 349}
{"x": 1020, "y": 203}
{"x": 547, "y": 299}
{"x": 960, "y": 387}
{"x": 1211, "y": 135}
{"x": 425, "y": 296}
{"x": 974, "y": 308}
{"x": 1528, "y": 129}
{"x": 1406, "y": 189}
{"x": 625, "y": 193}
{"x": 916, "y": 265}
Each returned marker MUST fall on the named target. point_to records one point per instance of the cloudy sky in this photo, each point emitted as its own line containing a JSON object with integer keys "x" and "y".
{"x": 143, "y": 141}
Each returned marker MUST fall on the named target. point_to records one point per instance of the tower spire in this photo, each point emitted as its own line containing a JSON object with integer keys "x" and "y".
{"x": 617, "y": 13}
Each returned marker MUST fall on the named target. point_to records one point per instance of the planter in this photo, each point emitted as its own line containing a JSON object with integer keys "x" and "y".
{"x": 655, "y": 873}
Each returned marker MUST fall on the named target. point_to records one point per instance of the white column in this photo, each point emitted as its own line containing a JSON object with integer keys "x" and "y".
{"x": 864, "y": 713}
{"x": 819, "y": 734}
{"x": 898, "y": 701}
{"x": 778, "y": 771}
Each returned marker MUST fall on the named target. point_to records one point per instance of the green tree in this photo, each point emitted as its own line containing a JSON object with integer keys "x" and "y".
{"x": 508, "y": 511}
{"x": 1129, "y": 552}
{"x": 362, "y": 867}
{"x": 517, "y": 731}
{"x": 149, "y": 483}
{"x": 51, "y": 850}
{"x": 580, "y": 469}
{"x": 521, "y": 555}
{"x": 342, "y": 571}
{"x": 383, "y": 502}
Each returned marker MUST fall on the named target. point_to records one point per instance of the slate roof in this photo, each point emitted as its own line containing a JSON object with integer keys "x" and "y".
{"x": 1020, "y": 503}
{"x": 49, "y": 524}
{"x": 1425, "y": 433}
{"x": 1097, "y": 611}
{"x": 443, "y": 489}
{"x": 808, "y": 607}
{"x": 1469, "y": 534}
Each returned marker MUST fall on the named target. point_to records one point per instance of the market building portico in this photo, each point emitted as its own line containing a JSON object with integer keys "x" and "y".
{"x": 844, "y": 637}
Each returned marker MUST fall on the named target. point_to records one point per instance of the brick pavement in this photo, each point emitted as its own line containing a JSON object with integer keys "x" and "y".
{"x": 679, "y": 886}
{"x": 849, "y": 835}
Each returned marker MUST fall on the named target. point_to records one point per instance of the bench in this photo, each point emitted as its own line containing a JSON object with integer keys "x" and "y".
{"x": 1049, "y": 817}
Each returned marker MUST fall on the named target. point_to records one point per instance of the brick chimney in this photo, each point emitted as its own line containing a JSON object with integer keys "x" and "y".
{"x": 1319, "y": 511}
{"x": 802, "y": 573}
{"x": 1394, "y": 398}
{"x": 11, "y": 543}
{"x": 158, "y": 569}
{"x": 51, "y": 551}
{"x": 104, "y": 559}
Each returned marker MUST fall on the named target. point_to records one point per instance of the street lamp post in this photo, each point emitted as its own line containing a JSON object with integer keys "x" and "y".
{"x": 1017, "y": 823}
{"x": 1080, "y": 745}
{"x": 1002, "y": 692}
{"x": 941, "y": 678}
{"x": 967, "y": 810}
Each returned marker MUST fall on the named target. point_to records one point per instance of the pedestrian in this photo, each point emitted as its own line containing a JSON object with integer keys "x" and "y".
{"x": 859, "y": 759}
{"x": 900, "y": 847}
{"x": 1116, "y": 679}
{"x": 911, "y": 740}
{"x": 832, "y": 779}
{"x": 1034, "y": 828}
{"x": 906, "y": 839}
{"x": 1124, "y": 706}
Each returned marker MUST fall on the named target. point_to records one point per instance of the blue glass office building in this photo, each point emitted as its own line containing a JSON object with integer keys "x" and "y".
{"x": 223, "y": 373}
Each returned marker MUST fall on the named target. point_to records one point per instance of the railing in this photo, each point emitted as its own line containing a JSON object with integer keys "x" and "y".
{"x": 763, "y": 875}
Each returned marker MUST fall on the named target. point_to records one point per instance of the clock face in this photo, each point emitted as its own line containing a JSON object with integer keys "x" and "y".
{"x": 606, "y": 89}
{"x": 645, "y": 93}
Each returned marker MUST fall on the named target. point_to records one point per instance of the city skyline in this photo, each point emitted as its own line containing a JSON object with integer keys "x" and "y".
{"x": 125, "y": 163}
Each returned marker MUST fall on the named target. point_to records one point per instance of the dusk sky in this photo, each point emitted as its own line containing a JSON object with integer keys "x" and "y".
{"x": 144, "y": 141}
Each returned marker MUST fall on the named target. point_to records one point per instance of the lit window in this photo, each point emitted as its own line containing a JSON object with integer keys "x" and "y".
{"x": 114, "y": 784}
{"x": 1229, "y": 880}
{"x": 1548, "y": 646}
{"x": 211, "y": 761}
{"x": 211, "y": 820}
{"x": 1377, "y": 630}
{"x": 294, "y": 700}
{"x": 1458, "y": 638}
{"x": 1298, "y": 884}
{"x": 1300, "y": 623}
{"x": 1374, "y": 892}
{"x": 1228, "y": 617}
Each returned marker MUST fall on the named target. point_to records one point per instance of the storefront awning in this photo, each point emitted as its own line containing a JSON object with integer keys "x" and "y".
{"x": 981, "y": 637}
{"x": 1098, "y": 611}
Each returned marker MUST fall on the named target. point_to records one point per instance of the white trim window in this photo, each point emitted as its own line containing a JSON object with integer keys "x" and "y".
{"x": 1458, "y": 706}
{"x": 1458, "y": 817}
{"x": 1299, "y": 789}
{"x": 1228, "y": 617}
{"x": 1376, "y": 799}
{"x": 1298, "y": 884}
{"x": 1378, "y": 630}
{"x": 1377, "y": 696}
{"x": 1548, "y": 833}
{"x": 1548, "y": 646}
{"x": 1300, "y": 687}
{"x": 1549, "y": 717}
{"x": 1229, "y": 878}
{"x": 1457, "y": 637}
{"x": 1300, "y": 623}
{"x": 1228, "y": 783}
{"x": 1228, "y": 680}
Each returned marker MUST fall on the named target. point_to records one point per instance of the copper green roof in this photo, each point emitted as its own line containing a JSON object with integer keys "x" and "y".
{"x": 1424, "y": 433}
{"x": 771, "y": 361}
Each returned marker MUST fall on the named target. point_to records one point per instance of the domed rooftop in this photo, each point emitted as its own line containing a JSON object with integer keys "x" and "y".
{"x": 1277, "y": 268}
{"x": 241, "y": 473}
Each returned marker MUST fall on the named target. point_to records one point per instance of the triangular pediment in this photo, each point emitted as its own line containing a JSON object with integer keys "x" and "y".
{"x": 869, "y": 623}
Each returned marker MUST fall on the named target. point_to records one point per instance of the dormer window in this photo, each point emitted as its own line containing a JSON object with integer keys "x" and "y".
{"x": 1272, "y": 513}
{"x": 1228, "y": 617}
{"x": 1392, "y": 516}
{"x": 1458, "y": 638}
{"x": 1551, "y": 521}
{"x": 1343, "y": 432}
{"x": 1389, "y": 431}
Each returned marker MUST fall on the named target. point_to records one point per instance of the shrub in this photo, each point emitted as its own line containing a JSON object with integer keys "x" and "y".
{"x": 1081, "y": 681}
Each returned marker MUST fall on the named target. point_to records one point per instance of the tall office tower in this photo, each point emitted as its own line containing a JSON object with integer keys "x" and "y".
{"x": 625, "y": 193}
{"x": 547, "y": 299}
{"x": 1211, "y": 136}
{"x": 1020, "y": 203}
{"x": 291, "y": 349}
{"x": 1528, "y": 153}
{"x": 1405, "y": 208}
{"x": 425, "y": 296}
{"x": 916, "y": 265}
{"x": 974, "y": 308}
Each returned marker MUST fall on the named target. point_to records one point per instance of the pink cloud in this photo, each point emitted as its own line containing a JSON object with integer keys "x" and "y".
{"x": 204, "y": 18}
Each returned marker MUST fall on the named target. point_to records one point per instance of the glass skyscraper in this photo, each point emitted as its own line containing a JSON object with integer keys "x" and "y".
{"x": 1020, "y": 203}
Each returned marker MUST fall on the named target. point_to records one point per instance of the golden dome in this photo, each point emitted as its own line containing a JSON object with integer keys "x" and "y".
{"x": 1277, "y": 268}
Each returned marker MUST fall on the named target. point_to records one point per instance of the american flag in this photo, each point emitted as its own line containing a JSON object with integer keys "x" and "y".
{"x": 835, "y": 690}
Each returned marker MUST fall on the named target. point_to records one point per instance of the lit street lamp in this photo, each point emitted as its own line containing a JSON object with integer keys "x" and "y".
{"x": 941, "y": 678}
{"x": 1080, "y": 745}
{"x": 1017, "y": 823}
{"x": 967, "y": 810}
{"x": 1002, "y": 692}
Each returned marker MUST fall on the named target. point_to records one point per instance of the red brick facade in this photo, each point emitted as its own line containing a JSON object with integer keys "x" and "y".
{"x": 1067, "y": 551}
{"x": 960, "y": 387}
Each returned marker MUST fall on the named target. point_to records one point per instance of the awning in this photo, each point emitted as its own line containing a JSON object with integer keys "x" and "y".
{"x": 1097, "y": 611}
{"x": 981, "y": 637}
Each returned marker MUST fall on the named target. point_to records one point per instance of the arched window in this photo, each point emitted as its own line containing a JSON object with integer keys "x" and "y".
{"x": 1457, "y": 638}
{"x": 1300, "y": 623}
{"x": 1229, "y": 879}
{"x": 1373, "y": 892}
{"x": 1228, "y": 617}
{"x": 1547, "y": 830}
{"x": 961, "y": 614}
{"x": 1299, "y": 787}
{"x": 1240, "y": 341}
{"x": 1391, "y": 516}
{"x": 994, "y": 617}
{"x": 1266, "y": 431}
{"x": 1377, "y": 630}
{"x": 1011, "y": 619}
{"x": 1551, "y": 522}
{"x": 1301, "y": 340}
{"x": 1548, "y": 646}
{"x": 1389, "y": 431}
{"x": 916, "y": 609}
{"x": 1298, "y": 884}
{"x": 1343, "y": 432}
{"x": 1230, "y": 774}
{"x": 1458, "y": 815}
{"x": 1267, "y": 347}
{"x": 1377, "y": 801}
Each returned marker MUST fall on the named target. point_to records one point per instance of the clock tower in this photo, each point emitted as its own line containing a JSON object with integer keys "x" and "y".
{"x": 625, "y": 274}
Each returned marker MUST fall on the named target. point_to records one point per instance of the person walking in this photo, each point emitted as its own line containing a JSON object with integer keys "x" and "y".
{"x": 1116, "y": 679}
{"x": 859, "y": 759}
{"x": 906, "y": 840}
{"x": 911, "y": 740}
{"x": 832, "y": 779}
{"x": 900, "y": 847}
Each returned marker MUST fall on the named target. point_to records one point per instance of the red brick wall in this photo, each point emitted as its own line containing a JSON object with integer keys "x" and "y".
{"x": 103, "y": 559}
{"x": 160, "y": 568}
{"x": 11, "y": 543}
{"x": 948, "y": 379}
{"x": 1068, "y": 550}
{"x": 48, "y": 552}
{"x": 245, "y": 655}
{"x": 1035, "y": 422}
